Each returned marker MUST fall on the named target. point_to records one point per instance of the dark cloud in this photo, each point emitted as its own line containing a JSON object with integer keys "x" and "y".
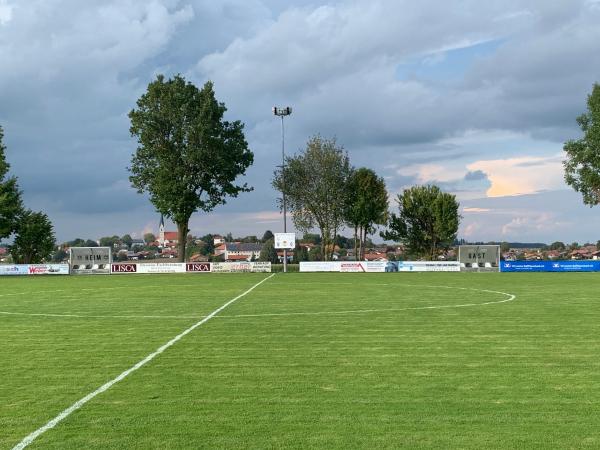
{"x": 475, "y": 175}
{"x": 69, "y": 79}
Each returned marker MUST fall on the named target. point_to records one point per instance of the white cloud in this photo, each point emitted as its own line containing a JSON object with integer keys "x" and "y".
{"x": 523, "y": 175}
{"x": 5, "y": 12}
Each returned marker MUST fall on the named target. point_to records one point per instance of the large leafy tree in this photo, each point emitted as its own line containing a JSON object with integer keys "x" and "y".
{"x": 314, "y": 182}
{"x": 11, "y": 206}
{"x": 34, "y": 239}
{"x": 427, "y": 221}
{"x": 188, "y": 157}
{"x": 582, "y": 166}
{"x": 366, "y": 205}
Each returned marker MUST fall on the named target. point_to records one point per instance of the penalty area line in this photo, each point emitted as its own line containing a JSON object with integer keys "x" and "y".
{"x": 75, "y": 406}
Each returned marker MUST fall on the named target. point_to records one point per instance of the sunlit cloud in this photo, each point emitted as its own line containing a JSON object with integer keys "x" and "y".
{"x": 523, "y": 175}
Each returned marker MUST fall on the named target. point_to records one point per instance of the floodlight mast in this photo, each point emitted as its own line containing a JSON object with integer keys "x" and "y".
{"x": 282, "y": 112}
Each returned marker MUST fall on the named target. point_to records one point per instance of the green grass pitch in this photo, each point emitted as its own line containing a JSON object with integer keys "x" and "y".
{"x": 332, "y": 361}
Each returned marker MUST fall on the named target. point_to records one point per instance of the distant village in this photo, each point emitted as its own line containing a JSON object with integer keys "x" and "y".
{"x": 226, "y": 248}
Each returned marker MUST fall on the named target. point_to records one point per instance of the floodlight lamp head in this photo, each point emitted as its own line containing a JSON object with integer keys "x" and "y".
{"x": 282, "y": 111}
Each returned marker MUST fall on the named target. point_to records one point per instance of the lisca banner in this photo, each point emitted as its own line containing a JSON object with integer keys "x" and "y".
{"x": 550, "y": 266}
{"x": 121, "y": 268}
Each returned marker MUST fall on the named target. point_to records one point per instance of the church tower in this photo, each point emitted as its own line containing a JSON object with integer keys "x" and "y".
{"x": 161, "y": 231}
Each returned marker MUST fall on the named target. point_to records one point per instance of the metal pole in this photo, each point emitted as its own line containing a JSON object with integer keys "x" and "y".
{"x": 283, "y": 182}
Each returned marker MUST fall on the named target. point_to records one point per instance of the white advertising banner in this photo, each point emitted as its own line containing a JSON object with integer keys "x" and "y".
{"x": 161, "y": 268}
{"x": 320, "y": 266}
{"x": 242, "y": 266}
{"x": 34, "y": 269}
{"x": 14, "y": 269}
{"x": 428, "y": 266}
{"x": 148, "y": 268}
{"x": 285, "y": 240}
{"x": 48, "y": 269}
{"x": 375, "y": 266}
{"x": 363, "y": 266}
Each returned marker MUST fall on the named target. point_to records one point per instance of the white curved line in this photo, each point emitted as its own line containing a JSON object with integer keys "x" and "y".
{"x": 510, "y": 298}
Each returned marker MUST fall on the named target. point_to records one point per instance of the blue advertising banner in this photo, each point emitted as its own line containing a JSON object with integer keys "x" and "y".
{"x": 550, "y": 266}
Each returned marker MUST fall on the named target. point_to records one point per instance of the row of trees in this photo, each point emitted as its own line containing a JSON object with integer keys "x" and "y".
{"x": 33, "y": 234}
{"x": 324, "y": 191}
{"x": 188, "y": 159}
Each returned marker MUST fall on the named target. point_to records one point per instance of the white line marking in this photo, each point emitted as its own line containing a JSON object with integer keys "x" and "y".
{"x": 84, "y": 316}
{"x": 317, "y": 313}
{"x": 75, "y": 406}
{"x": 510, "y": 298}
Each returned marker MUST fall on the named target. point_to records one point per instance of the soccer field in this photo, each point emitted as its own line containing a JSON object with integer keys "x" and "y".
{"x": 395, "y": 360}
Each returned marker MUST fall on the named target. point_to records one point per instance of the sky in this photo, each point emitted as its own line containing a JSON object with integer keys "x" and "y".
{"x": 476, "y": 97}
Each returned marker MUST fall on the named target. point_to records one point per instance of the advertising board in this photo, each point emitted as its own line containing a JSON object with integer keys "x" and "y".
{"x": 48, "y": 269}
{"x": 90, "y": 260}
{"x": 320, "y": 266}
{"x": 123, "y": 268}
{"x": 161, "y": 268}
{"x": 550, "y": 266}
{"x": 242, "y": 266}
{"x": 428, "y": 266}
{"x": 364, "y": 266}
{"x": 149, "y": 268}
{"x": 14, "y": 269}
{"x": 199, "y": 267}
{"x": 285, "y": 240}
{"x": 34, "y": 269}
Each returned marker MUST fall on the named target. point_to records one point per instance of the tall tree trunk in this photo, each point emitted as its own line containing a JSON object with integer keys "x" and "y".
{"x": 364, "y": 240}
{"x": 333, "y": 242}
{"x": 360, "y": 246}
{"x": 356, "y": 258}
{"x": 182, "y": 231}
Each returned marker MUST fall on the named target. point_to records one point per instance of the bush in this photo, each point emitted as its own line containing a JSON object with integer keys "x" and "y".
{"x": 290, "y": 267}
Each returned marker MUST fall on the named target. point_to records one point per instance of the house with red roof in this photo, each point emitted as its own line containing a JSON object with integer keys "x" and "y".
{"x": 238, "y": 251}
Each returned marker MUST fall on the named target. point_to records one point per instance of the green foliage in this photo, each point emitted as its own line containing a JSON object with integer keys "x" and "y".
{"x": 188, "y": 157}
{"x": 109, "y": 241}
{"x": 34, "y": 239}
{"x": 11, "y": 206}
{"x": 90, "y": 243}
{"x": 314, "y": 183}
{"x": 315, "y": 254}
{"x": 582, "y": 166}
{"x": 300, "y": 254}
{"x": 208, "y": 244}
{"x": 268, "y": 235}
{"x": 268, "y": 253}
{"x": 311, "y": 238}
{"x": 149, "y": 238}
{"x": 59, "y": 256}
{"x": 127, "y": 240}
{"x": 557, "y": 246}
{"x": 366, "y": 205}
{"x": 427, "y": 221}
